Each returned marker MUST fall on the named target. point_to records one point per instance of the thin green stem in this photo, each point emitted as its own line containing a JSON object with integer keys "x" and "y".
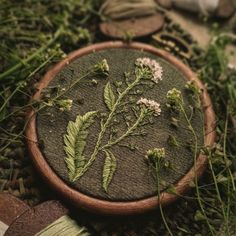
{"x": 55, "y": 98}
{"x": 66, "y": 90}
{"x": 41, "y": 107}
{"x": 9, "y": 98}
{"x": 41, "y": 66}
{"x": 127, "y": 133}
{"x": 157, "y": 167}
{"x": 229, "y": 173}
{"x": 21, "y": 108}
{"x": 224, "y": 149}
{"x": 106, "y": 124}
{"x": 218, "y": 194}
{"x": 195, "y": 161}
{"x": 32, "y": 56}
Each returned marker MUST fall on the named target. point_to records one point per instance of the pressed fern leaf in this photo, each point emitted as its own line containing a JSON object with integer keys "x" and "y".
{"x": 108, "y": 169}
{"x": 109, "y": 96}
{"x": 75, "y": 141}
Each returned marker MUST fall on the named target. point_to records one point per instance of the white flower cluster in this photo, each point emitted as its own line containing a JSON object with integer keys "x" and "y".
{"x": 156, "y": 154}
{"x": 102, "y": 67}
{"x": 174, "y": 95}
{"x": 105, "y": 65}
{"x": 151, "y": 105}
{"x": 153, "y": 65}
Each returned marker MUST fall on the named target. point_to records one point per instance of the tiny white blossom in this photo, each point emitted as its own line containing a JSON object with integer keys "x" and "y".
{"x": 153, "y": 65}
{"x": 105, "y": 65}
{"x": 156, "y": 154}
{"x": 174, "y": 95}
{"x": 64, "y": 104}
{"x": 174, "y": 99}
{"x": 150, "y": 104}
{"x": 102, "y": 67}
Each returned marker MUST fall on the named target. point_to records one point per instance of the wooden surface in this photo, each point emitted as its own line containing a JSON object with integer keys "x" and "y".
{"x": 10, "y": 208}
{"x": 35, "y": 219}
{"x": 135, "y": 28}
{"x": 108, "y": 207}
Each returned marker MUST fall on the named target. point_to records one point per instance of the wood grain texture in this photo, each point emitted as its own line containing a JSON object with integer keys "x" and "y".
{"x": 139, "y": 27}
{"x": 108, "y": 207}
{"x": 11, "y": 208}
{"x": 35, "y": 219}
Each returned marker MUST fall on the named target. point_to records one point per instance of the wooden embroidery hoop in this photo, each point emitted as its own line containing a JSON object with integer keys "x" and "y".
{"x": 92, "y": 204}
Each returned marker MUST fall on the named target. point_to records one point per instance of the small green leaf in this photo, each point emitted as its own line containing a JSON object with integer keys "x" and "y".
{"x": 109, "y": 96}
{"x": 199, "y": 216}
{"x": 75, "y": 142}
{"x": 171, "y": 190}
{"x": 172, "y": 141}
{"x": 108, "y": 169}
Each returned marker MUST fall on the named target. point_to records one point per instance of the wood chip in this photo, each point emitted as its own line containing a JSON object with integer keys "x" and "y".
{"x": 138, "y": 27}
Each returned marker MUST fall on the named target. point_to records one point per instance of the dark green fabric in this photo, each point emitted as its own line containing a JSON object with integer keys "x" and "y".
{"x": 132, "y": 179}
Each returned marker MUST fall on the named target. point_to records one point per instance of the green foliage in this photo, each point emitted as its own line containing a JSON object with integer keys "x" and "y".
{"x": 108, "y": 169}
{"x": 221, "y": 82}
{"x": 199, "y": 216}
{"x": 34, "y": 34}
{"x": 113, "y": 105}
{"x": 109, "y": 96}
{"x": 32, "y": 39}
{"x": 172, "y": 141}
{"x": 75, "y": 142}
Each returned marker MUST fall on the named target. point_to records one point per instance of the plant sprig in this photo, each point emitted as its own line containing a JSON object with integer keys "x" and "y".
{"x": 145, "y": 69}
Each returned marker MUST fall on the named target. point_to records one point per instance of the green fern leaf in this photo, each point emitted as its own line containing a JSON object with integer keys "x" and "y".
{"x": 75, "y": 142}
{"x": 108, "y": 169}
{"x": 109, "y": 96}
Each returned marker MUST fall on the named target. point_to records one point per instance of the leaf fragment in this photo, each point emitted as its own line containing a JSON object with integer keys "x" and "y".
{"x": 108, "y": 169}
{"x": 75, "y": 142}
{"x": 109, "y": 96}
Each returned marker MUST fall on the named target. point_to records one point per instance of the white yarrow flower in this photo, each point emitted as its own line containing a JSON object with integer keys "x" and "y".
{"x": 153, "y": 65}
{"x": 150, "y": 104}
{"x": 174, "y": 95}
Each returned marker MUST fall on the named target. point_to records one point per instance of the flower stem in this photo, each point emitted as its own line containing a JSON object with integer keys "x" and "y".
{"x": 195, "y": 161}
{"x": 219, "y": 195}
{"x": 106, "y": 124}
{"x": 157, "y": 167}
{"x": 127, "y": 133}
{"x": 67, "y": 89}
{"x": 32, "y": 56}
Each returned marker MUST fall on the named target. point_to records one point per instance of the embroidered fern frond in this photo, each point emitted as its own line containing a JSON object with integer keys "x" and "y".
{"x": 108, "y": 169}
{"x": 109, "y": 96}
{"x": 75, "y": 142}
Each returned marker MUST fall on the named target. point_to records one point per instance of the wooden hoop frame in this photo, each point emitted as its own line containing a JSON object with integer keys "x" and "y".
{"x": 110, "y": 207}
